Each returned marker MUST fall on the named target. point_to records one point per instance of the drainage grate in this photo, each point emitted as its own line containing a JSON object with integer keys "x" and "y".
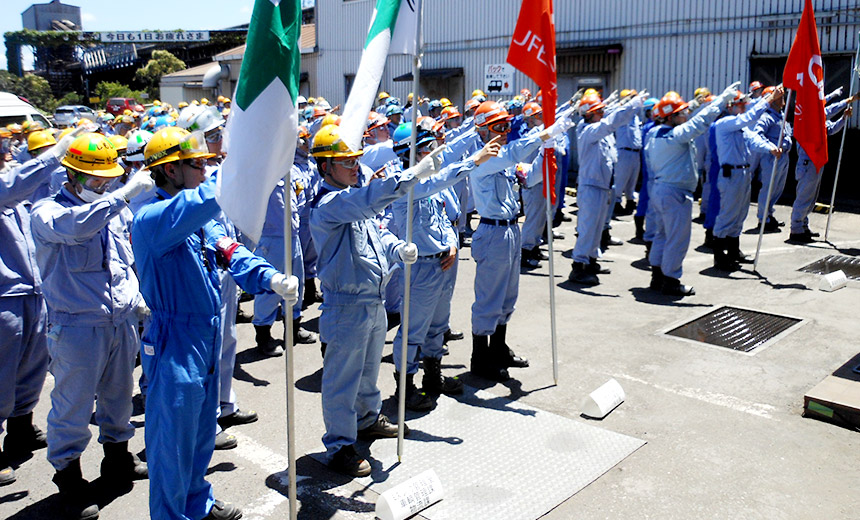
{"x": 734, "y": 328}
{"x": 850, "y": 265}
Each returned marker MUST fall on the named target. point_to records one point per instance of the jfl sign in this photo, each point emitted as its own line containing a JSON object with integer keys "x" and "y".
{"x": 533, "y": 45}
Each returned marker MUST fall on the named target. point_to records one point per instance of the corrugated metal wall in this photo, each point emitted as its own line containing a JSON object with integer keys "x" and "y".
{"x": 667, "y": 44}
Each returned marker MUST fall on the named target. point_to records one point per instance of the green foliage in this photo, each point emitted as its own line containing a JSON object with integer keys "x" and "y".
{"x": 35, "y": 88}
{"x": 110, "y": 89}
{"x": 161, "y": 63}
{"x": 72, "y": 98}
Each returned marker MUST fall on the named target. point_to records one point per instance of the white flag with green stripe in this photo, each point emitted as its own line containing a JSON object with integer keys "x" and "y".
{"x": 392, "y": 31}
{"x": 260, "y": 138}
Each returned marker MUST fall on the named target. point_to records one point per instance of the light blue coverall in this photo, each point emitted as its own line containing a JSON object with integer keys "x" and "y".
{"x": 92, "y": 292}
{"x": 496, "y": 246}
{"x": 376, "y": 155}
{"x": 734, "y": 135}
{"x": 23, "y": 317}
{"x": 354, "y": 258}
{"x": 306, "y": 171}
{"x": 628, "y": 141}
{"x": 768, "y": 128}
{"x": 174, "y": 242}
{"x": 594, "y": 142}
{"x": 671, "y": 157}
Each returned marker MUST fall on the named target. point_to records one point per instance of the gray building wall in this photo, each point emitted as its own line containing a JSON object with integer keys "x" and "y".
{"x": 39, "y": 16}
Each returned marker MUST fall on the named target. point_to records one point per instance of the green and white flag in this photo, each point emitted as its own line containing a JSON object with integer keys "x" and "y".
{"x": 261, "y": 132}
{"x": 393, "y": 30}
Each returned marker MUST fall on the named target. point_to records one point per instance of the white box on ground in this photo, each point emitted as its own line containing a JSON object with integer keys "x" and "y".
{"x": 410, "y": 497}
{"x": 833, "y": 281}
{"x": 600, "y": 402}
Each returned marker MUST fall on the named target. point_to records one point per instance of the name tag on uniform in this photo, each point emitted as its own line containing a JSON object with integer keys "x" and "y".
{"x": 148, "y": 349}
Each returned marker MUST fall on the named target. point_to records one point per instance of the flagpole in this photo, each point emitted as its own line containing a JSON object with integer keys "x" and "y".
{"x": 772, "y": 177}
{"x": 546, "y": 179}
{"x": 407, "y": 268}
{"x": 841, "y": 146}
{"x": 288, "y": 345}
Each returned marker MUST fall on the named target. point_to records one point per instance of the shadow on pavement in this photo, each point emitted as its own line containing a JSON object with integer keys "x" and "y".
{"x": 650, "y": 296}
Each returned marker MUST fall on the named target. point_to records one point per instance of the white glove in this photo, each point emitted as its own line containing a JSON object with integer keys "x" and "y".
{"x": 728, "y": 94}
{"x": 287, "y": 287}
{"x": 142, "y": 181}
{"x": 58, "y": 151}
{"x": 837, "y": 92}
{"x": 612, "y": 97}
{"x": 562, "y": 125}
{"x": 142, "y": 311}
{"x": 429, "y": 165}
{"x": 408, "y": 253}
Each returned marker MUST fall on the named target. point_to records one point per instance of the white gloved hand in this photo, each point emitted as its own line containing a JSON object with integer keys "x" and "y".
{"x": 287, "y": 287}
{"x": 408, "y": 253}
{"x": 429, "y": 165}
{"x": 562, "y": 125}
{"x": 58, "y": 151}
{"x": 142, "y": 311}
{"x": 142, "y": 181}
{"x": 837, "y": 92}
{"x": 612, "y": 97}
{"x": 728, "y": 94}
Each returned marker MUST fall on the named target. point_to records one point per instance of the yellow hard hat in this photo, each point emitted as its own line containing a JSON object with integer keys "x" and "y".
{"x": 15, "y": 128}
{"x": 478, "y": 92}
{"x": 702, "y": 92}
{"x": 172, "y": 143}
{"x": 330, "y": 119}
{"x": 627, "y": 92}
{"x": 383, "y": 95}
{"x": 31, "y": 126}
{"x": 204, "y": 101}
{"x": 227, "y": 101}
{"x": 182, "y": 104}
{"x": 40, "y": 139}
{"x": 445, "y": 102}
{"x": 5, "y": 133}
{"x": 93, "y": 154}
{"x": 589, "y": 92}
{"x": 410, "y": 96}
{"x": 195, "y": 102}
{"x": 157, "y": 103}
{"x": 127, "y": 112}
{"x": 65, "y": 132}
{"x": 327, "y": 143}
{"x": 221, "y": 98}
{"x": 119, "y": 142}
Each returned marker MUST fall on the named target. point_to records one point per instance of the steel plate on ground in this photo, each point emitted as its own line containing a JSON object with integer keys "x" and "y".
{"x": 850, "y": 265}
{"x": 496, "y": 458}
{"x": 735, "y": 328}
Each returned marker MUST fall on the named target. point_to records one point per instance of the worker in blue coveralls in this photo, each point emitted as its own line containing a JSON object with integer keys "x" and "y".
{"x": 305, "y": 174}
{"x": 768, "y": 129}
{"x": 628, "y": 141}
{"x": 639, "y": 218}
{"x": 808, "y": 177}
{"x": 178, "y": 247}
{"x": 534, "y": 203}
{"x": 670, "y": 151}
{"x": 433, "y": 275}
{"x": 496, "y": 244}
{"x": 23, "y": 316}
{"x": 94, "y": 305}
{"x": 354, "y": 258}
{"x": 734, "y": 136}
{"x": 378, "y": 146}
{"x": 271, "y": 247}
{"x": 594, "y": 191}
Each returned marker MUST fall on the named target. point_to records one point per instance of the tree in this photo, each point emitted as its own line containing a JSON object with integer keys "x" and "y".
{"x": 32, "y": 87}
{"x": 162, "y": 62}
{"x": 110, "y": 89}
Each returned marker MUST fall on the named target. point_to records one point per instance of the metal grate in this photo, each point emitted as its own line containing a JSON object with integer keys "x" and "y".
{"x": 850, "y": 265}
{"x": 734, "y": 328}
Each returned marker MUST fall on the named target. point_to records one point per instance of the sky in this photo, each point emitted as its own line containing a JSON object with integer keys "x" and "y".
{"x": 114, "y": 15}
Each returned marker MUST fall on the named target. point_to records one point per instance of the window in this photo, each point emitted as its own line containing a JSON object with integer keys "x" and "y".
{"x": 348, "y": 80}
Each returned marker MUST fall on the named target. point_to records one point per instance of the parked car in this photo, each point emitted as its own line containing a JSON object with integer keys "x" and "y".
{"x": 14, "y": 109}
{"x": 68, "y": 115}
{"x": 117, "y": 106}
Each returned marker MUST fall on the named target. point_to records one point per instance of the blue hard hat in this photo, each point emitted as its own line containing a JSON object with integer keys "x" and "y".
{"x": 650, "y": 103}
{"x": 434, "y": 104}
{"x": 393, "y": 109}
{"x": 403, "y": 138}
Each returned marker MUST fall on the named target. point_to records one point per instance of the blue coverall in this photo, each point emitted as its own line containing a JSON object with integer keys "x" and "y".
{"x": 354, "y": 258}
{"x": 768, "y": 129}
{"x": 628, "y": 140}
{"x": 23, "y": 317}
{"x": 174, "y": 242}
{"x": 92, "y": 293}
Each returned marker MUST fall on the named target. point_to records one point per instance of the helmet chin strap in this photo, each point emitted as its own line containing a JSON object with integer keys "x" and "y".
{"x": 329, "y": 177}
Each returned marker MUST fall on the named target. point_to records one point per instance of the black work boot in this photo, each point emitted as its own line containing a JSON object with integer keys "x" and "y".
{"x": 416, "y": 400}
{"x": 348, "y": 462}
{"x": 527, "y": 260}
{"x": 656, "y": 278}
{"x": 735, "y": 252}
{"x": 382, "y": 428}
{"x": 265, "y": 344}
{"x": 501, "y": 351}
{"x": 312, "y": 294}
{"x": 579, "y": 274}
{"x": 435, "y": 383}
{"x": 23, "y": 437}
{"x": 606, "y": 240}
{"x": 302, "y": 335}
{"x": 223, "y": 511}
{"x": 75, "y": 492}
{"x": 630, "y": 207}
{"x": 709, "y": 238}
{"x": 483, "y": 363}
{"x": 639, "y": 222}
{"x": 595, "y": 268}
{"x": 722, "y": 260}
{"x": 121, "y": 465}
{"x": 674, "y": 287}
{"x": 7, "y": 473}
{"x": 538, "y": 254}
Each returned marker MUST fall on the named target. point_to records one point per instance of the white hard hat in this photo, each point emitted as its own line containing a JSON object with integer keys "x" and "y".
{"x": 301, "y": 100}
{"x": 136, "y": 143}
{"x": 197, "y": 117}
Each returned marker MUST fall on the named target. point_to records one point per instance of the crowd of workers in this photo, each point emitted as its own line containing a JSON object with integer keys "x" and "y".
{"x": 111, "y": 227}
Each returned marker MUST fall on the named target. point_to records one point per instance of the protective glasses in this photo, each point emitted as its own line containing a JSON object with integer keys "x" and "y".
{"x": 501, "y": 127}
{"x": 214, "y": 136}
{"x": 196, "y": 164}
{"x": 94, "y": 184}
{"x": 349, "y": 164}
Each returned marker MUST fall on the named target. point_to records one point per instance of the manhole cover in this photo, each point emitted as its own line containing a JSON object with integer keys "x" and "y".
{"x": 850, "y": 265}
{"x": 734, "y": 328}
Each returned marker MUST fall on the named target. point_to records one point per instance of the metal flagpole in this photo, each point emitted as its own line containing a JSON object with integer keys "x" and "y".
{"x": 407, "y": 268}
{"x": 549, "y": 239}
{"x": 288, "y": 345}
{"x": 841, "y": 146}
{"x": 772, "y": 176}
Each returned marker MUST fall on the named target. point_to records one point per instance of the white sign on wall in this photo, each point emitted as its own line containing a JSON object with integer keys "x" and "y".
{"x": 153, "y": 36}
{"x": 499, "y": 79}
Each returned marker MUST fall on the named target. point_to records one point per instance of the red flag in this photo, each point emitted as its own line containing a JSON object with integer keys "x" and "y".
{"x": 805, "y": 75}
{"x": 532, "y": 51}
